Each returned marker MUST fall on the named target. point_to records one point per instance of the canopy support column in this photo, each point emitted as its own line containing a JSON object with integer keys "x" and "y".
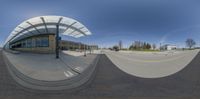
{"x": 57, "y": 41}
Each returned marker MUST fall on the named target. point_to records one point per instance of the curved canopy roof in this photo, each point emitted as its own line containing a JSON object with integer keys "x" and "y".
{"x": 47, "y": 25}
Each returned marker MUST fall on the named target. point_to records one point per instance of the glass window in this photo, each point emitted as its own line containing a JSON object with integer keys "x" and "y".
{"x": 23, "y": 44}
{"x": 33, "y": 42}
{"x": 29, "y": 43}
{"x": 38, "y": 42}
{"x": 42, "y": 41}
{"x": 45, "y": 41}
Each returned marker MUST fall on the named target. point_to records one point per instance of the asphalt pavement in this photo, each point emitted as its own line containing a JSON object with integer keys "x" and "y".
{"x": 151, "y": 64}
{"x": 110, "y": 82}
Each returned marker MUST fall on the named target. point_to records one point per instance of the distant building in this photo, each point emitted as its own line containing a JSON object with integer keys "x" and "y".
{"x": 71, "y": 45}
{"x": 94, "y": 47}
{"x": 120, "y": 44}
{"x": 168, "y": 47}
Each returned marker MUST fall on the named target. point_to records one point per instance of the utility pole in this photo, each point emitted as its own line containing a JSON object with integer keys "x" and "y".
{"x": 57, "y": 41}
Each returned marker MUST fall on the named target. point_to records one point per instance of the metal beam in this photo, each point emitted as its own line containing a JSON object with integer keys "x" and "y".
{"x": 16, "y": 35}
{"x": 61, "y": 24}
{"x": 33, "y": 27}
{"x": 60, "y": 19}
{"x": 57, "y": 38}
{"x": 69, "y": 26}
{"x": 75, "y": 30}
{"x": 76, "y": 34}
{"x": 81, "y": 28}
{"x": 57, "y": 41}
{"x": 25, "y": 29}
{"x": 44, "y": 24}
{"x": 79, "y": 34}
{"x": 72, "y": 32}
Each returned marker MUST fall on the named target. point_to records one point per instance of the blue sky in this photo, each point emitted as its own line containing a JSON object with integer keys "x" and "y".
{"x": 154, "y": 21}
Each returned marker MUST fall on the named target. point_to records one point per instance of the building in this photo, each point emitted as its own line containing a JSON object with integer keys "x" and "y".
{"x": 94, "y": 47}
{"x": 120, "y": 44}
{"x": 39, "y": 34}
{"x": 71, "y": 45}
{"x": 168, "y": 47}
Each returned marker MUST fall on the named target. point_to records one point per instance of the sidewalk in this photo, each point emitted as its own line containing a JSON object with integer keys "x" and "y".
{"x": 45, "y": 67}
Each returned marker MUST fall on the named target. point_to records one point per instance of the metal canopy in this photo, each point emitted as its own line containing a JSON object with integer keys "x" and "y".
{"x": 47, "y": 25}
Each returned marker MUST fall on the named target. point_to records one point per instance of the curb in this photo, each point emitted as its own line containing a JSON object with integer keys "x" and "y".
{"x": 51, "y": 85}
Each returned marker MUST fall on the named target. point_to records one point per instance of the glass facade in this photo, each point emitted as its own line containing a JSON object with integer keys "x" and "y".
{"x": 23, "y": 44}
{"x": 29, "y": 43}
{"x": 37, "y": 42}
{"x": 38, "y": 23}
{"x": 41, "y": 41}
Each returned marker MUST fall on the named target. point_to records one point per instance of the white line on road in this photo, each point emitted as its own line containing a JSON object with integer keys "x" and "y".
{"x": 70, "y": 73}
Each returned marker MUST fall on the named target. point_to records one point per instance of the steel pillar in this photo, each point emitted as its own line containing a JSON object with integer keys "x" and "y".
{"x": 57, "y": 41}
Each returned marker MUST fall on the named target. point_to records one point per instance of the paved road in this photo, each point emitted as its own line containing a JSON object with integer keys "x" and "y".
{"x": 111, "y": 82}
{"x": 151, "y": 65}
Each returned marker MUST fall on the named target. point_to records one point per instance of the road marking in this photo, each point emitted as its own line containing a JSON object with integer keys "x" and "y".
{"x": 78, "y": 68}
{"x": 70, "y": 73}
{"x": 67, "y": 75}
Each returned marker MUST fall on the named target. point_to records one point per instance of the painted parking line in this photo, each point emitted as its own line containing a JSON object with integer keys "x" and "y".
{"x": 71, "y": 74}
{"x": 68, "y": 74}
{"x": 79, "y": 68}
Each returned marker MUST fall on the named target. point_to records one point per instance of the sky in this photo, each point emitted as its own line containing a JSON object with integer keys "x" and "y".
{"x": 153, "y": 21}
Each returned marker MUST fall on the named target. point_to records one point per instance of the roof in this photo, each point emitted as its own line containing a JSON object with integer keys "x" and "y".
{"x": 47, "y": 25}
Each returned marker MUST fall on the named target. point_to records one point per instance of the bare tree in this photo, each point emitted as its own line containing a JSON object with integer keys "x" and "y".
{"x": 190, "y": 43}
